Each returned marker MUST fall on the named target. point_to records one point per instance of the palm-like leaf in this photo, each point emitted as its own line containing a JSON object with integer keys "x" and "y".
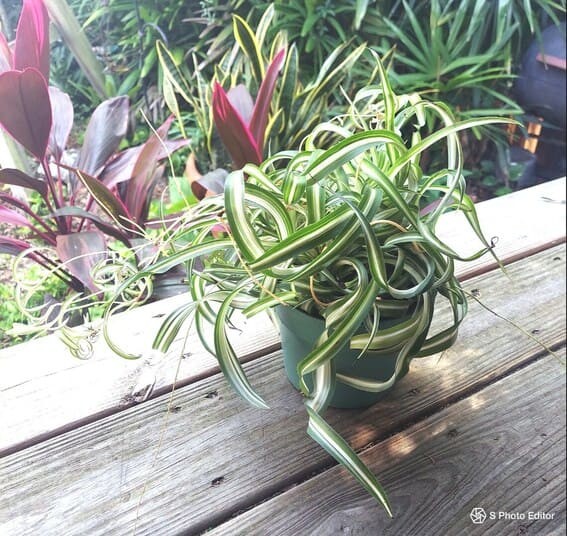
{"x": 75, "y": 38}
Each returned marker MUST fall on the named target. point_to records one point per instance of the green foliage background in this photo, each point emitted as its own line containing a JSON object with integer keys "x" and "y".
{"x": 465, "y": 52}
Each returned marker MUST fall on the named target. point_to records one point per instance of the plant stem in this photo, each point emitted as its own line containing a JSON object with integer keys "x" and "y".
{"x": 25, "y": 208}
{"x": 44, "y": 236}
{"x": 58, "y": 201}
{"x": 68, "y": 219}
{"x": 515, "y": 325}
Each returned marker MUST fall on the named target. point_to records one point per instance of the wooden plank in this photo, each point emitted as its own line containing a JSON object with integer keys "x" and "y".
{"x": 44, "y": 391}
{"x": 553, "y": 61}
{"x": 500, "y": 449}
{"x": 524, "y": 223}
{"x": 219, "y": 456}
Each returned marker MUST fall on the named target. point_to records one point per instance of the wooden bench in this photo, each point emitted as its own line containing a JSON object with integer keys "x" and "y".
{"x": 482, "y": 426}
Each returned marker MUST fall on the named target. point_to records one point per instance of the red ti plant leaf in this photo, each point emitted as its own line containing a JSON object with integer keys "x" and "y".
{"x": 15, "y": 246}
{"x": 242, "y": 128}
{"x": 170, "y": 146}
{"x": 12, "y": 246}
{"x": 6, "y": 60}
{"x": 146, "y": 172}
{"x": 7, "y": 215}
{"x": 105, "y": 131}
{"x": 62, "y": 113}
{"x": 32, "y": 38}
{"x": 143, "y": 203}
{"x": 261, "y": 111}
{"x": 209, "y": 184}
{"x": 25, "y": 110}
{"x": 233, "y": 131}
{"x": 81, "y": 252}
{"x": 15, "y": 177}
{"x": 41, "y": 227}
{"x": 13, "y": 218}
{"x": 241, "y": 101}
{"x": 194, "y": 176}
{"x": 121, "y": 167}
{"x": 110, "y": 203}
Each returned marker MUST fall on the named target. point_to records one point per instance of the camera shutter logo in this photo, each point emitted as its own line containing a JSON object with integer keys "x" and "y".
{"x": 478, "y": 516}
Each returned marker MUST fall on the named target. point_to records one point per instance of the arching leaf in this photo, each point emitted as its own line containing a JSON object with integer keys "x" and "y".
{"x": 11, "y": 217}
{"x": 263, "y": 102}
{"x": 32, "y": 38}
{"x": 106, "y": 129}
{"x": 25, "y": 112}
{"x": 106, "y": 200}
{"x": 340, "y": 450}
{"x": 15, "y": 177}
{"x": 62, "y": 113}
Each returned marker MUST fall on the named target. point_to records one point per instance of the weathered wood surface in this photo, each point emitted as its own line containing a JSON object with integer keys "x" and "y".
{"x": 218, "y": 456}
{"x": 44, "y": 391}
{"x": 524, "y": 222}
{"x": 501, "y": 448}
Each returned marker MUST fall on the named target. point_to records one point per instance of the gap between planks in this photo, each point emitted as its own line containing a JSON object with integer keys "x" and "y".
{"x": 125, "y": 404}
{"x": 483, "y": 360}
{"x": 332, "y": 503}
{"x": 45, "y": 399}
{"x": 403, "y": 426}
{"x": 62, "y": 389}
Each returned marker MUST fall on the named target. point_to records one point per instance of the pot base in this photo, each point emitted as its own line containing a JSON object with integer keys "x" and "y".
{"x": 299, "y": 332}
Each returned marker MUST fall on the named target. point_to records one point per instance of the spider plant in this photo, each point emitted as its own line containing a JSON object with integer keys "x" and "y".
{"x": 339, "y": 234}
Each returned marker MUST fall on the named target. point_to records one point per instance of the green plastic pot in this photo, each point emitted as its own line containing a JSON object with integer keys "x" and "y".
{"x": 299, "y": 332}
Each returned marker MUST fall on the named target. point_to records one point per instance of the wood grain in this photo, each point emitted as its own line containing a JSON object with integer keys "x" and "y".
{"x": 502, "y": 449}
{"x": 523, "y": 223}
{"x": 219, "y": 456}
{"x": 44, "y": 391}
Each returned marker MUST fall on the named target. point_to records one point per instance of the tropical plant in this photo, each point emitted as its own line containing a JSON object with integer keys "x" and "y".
{"x": 454, "y": 57}
{"x": 224, "y": 110}
{"x": 56, "y": 225}
{"x": 316, "y": 27}
{"x": 530, "y": 17}
{"x": 76, "y": 40}
{"x": 466, "y": 53}
{"x": 73, "y": 57}
{"x": 123, "y": 34}
{"x": 339, "y": 234}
